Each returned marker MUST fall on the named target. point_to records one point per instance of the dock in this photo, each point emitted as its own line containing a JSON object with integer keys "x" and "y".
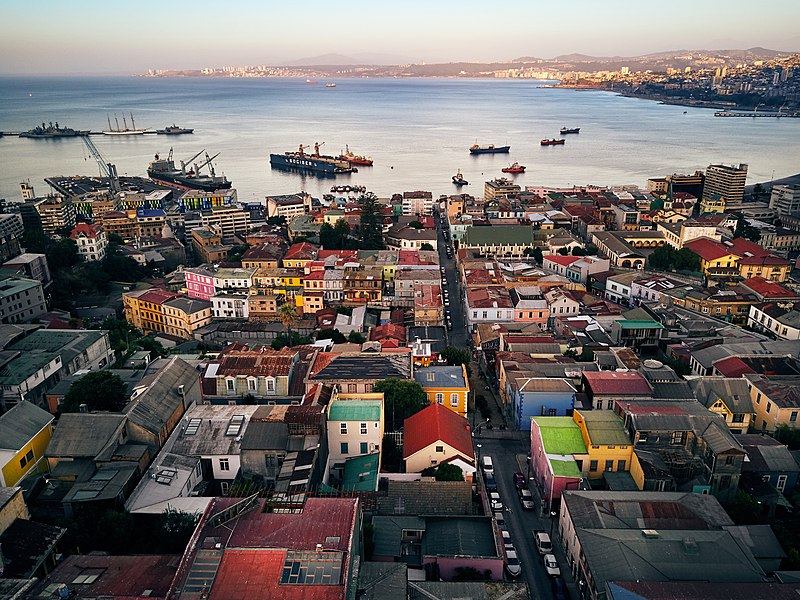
{"x": 148, "y": 132}
{"x": 755, "y": 115}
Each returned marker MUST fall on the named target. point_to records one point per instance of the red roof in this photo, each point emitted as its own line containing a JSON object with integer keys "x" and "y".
{"x": 388, "y": 331}
{"x": 622, "y": 383}
{"x": 85, "y": 230}
{"x": 301, "y": 251}
{"x": 350, "y": 254}
{"x": 763, "y": 260}
{"x": 769, "y": 289}
{"x": 433, "y": 424}
{"x": 733, "y": 366}
{"x": 156, "y": 296}
{"x": 708, "y": 249}
{"x": 742, "y": 246}
{"x": 564, "y": 261}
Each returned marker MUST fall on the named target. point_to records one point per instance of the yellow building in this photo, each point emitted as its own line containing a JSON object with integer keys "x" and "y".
{"x": 445, "y": 385}
{"x": 774, "y": 402}
{"x": 772, "y": 268}
{"x": 608, "y": 445}
{"x": 166, "y": 312}
{"x": 182, "y": 316}
{"x": 300, "y": 254}
{"x": 25, "y": 432}
{"x": 715, "y": 204}
{"x": 727, "y": 396}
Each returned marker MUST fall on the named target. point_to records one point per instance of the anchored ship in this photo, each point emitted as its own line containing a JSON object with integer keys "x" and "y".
{"x": 164, "y": 171}
{"x": 552, "y": 142}
{"x": 515, "y": 168}
{"x": 51, "y": 131}
{"x": 458, "y": 179}
{"x": 174, "y": 130}
{"x": 316, "y": 163}
{"x": 566, "y": 130}
{"x": 124, "y": 130}
{"x": 355, "y": 159}
{"x": 490, "y": 149}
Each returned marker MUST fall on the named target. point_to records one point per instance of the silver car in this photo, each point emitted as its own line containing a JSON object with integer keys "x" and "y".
{"x": 551, "y": 565}
{"x": 513, "y": 566}
{"x": 526, "y": 499}
{"x": 495, "y": 501}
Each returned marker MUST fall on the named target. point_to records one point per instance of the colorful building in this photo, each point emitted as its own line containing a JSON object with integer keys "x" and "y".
{"x": 558, "y": 457}
{"x": 436, "y": 436}
{"x": 609, "y": 448}
{"x": 25, "y": 432}
{"x": 445, "y": 385}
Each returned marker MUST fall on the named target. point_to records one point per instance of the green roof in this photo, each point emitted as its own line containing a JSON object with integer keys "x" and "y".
{"x": 361, "y": 473}
{"x": 564, "y": 466}
{"x": 561, "y": 435}
{"x": 355, "y": 410}
{"x": 520, "y": 235}
{"x": 639, "y": 324}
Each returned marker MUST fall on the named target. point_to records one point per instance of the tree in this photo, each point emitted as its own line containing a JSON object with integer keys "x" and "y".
{"x": 277, "y": 220}
{"x": 115, "y": 239}
{"x": 332, "y": 334}
{"x": 448, "y": 472}
{"x": 401, "y": 399}
{"x": 63, "y": 255}
{"x": 371, "y": 225}
{"x": 152, "y": 345}
{"x": 291, "y": 339}
{"x": 457, "y": 356}
{"x": 563, "y": 251}
{"x": 416, "y": 225}
{"x": 288, "y": 316}
{"x": 355, "y": 337}
{"x": 746, "y": 231}
{"x": 98, "y": 390}
{"x": 176, "y": 527}
{"x": 667, "y": 258}
{"x": 235, "y": 253}
{"x": 535, "y": 253}
{"x": 327, "y": 236}
{"x": 426, "y": 246}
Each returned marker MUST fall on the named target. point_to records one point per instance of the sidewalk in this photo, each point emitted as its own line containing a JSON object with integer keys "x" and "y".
{"x": 481, "y": 386}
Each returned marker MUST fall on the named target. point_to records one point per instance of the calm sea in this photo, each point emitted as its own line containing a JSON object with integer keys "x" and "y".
{"x": 418, "y": 131}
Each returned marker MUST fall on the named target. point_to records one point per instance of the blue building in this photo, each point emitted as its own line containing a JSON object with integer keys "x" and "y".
{"x": 540, "y": 397}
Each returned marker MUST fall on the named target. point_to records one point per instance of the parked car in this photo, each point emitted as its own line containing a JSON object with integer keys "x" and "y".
{"x": 446, "y": 301}
{"x": 487, "y": 465}
{"x": 442, "y": 269}
{"x": 526, "y": 499}
{"x": 500, "y": 518}
{"x": 495, "y": 501}
{"x": 551, "y": 565}
{"x": 519, "y": 480}
{"x": 543, "y": 543}
{"x": 513, "y": 566}
{"x": 449, "y": 326}
{"x": 491, "y": 484}
{"x": 560, "y": 591}
{"x": 506, "y": 539}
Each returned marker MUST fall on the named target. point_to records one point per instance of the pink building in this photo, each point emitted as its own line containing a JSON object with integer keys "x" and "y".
{"x": 200, "y": 283}
{"x": 558, "y": 457}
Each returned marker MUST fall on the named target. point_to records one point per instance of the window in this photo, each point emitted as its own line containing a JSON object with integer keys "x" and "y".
{"x": 251, "y": 384}
{"x": 343, "y": 448}
{"x": 439, "y": 449}
{"x": 352, "y": 388}
{"x": 29, "y": 455}
{"x": 609, "y": 465}
{"x": 758, "y": 398}
{"x": 224, "y": 464}
{"x": 678, "y": 437}
{"x": 363, "y": 429}
{"x": 782, "y": 482}
{"x": 22, "y": 462}
{"x": 454, "y": 401}
{"x": 593, "y": 466}
{"x": 343, "y": 428}
{"x": 270, "y": 384}
{"x": 230, "y": 383}
{"x": 620, "y": 465}
{"x": 769, "y": 406}
{"x": 729, "y": 460}
{"x": 551, "y": 412}
{"x": 793, "y": 416}
{"x": 439, "y": 398}
{"x": 739, "y": 417}
{"x": 364, "y": 448}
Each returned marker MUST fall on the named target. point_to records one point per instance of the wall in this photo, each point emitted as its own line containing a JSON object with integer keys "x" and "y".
{"x": 448, "y": 566}
{"x": 14, "y": 509}
{"x": 12, "y": 472}
{"x": 428, "y": 457}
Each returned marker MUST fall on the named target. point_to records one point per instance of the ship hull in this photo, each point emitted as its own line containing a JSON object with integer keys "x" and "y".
{"x": 179, "y": 181}
{"x": 297, "y": 162}
{"x": 498, "y": 150}
{"x": 131, "y": 132}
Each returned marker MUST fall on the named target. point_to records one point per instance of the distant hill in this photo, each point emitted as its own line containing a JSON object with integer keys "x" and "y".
{"x": 739, "y": 54}
{"x": 344, "y": 60}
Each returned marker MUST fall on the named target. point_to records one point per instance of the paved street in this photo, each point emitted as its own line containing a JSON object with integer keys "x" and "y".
{"x": 459, "y": 336}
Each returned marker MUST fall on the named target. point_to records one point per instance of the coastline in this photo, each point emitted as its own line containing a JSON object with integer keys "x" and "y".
{"x": 660, "y": 98}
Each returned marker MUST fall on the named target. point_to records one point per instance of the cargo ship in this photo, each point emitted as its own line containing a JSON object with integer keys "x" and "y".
{"x": 515, "y": 168}
{"x": 552, "y": 142}
{"x": 567, "y": 130}
{"x": 490, "y": 149}
{"x": 316, "y": 163}
{"x": 355, "y": 159}
{"x": 165, "y": 172}
{"x": 174, "y": 130}
{"x": 51, "y": 131}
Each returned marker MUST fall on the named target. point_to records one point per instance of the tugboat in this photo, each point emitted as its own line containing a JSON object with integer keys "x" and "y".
{"x": 174, "y": 130}
{"x": 355, "y": 159}
{"x": 515, "y": 168}
{"x": 51, "y": 131}
{"x": 458, "y": 179}
{"x": 490, "y": 149}
{"x": 552, "y": 142}
{"x": 567, "y": 130}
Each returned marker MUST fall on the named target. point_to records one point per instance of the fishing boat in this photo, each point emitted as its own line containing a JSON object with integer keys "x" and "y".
{"x": 514, "y": 168}
{"x": 124, "y": 130}
{"x": 331, "y": 85}
{"x": 311, "y": 81}
{"x": 552, "y": 142}
{"x": 458, "y": 179}
{"x": 567, "y": 130}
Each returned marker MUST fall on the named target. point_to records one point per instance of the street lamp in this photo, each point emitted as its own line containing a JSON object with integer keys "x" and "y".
{"x": 478, "y": 446}
{"x": 552, "y": 520}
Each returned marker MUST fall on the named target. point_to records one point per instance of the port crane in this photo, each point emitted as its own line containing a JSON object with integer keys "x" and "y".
{"x": 302, "y": 148}
{"x": 107, "y": 169}
{"x": 317, "y": 146}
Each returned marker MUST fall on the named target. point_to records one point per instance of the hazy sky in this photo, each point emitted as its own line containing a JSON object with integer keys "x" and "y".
{"x": 83, "y": 36}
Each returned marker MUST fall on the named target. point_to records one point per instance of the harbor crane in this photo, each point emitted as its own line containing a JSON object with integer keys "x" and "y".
{"x": 317, "y": 146}
{"x": 107, "y": 169}
{"x": 302, "y": 148}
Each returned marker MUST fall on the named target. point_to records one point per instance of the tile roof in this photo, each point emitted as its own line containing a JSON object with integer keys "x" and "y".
{"x": 436, "y": 423}
{"x": 769, "y": 290}
{"x": 426, "y": 498}
{"x": 256, "y": 362}
{"x": 344, "y": 367}
{"x": 85, "y": 230}
{"x": 619, "y": 383}
{"x": 388, "y": 330}
{"x": 783, "y": 392}
{"x": 708, "y": 249}
{"x": 564, "y": 261}
{"x": 302, "y": 251}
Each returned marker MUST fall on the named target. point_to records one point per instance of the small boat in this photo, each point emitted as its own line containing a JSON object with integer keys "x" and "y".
{"x": 311, "y": 81}
{"x": 490, "y": 149}
{"x": 552, "y": 142}
{"x": 330, "y": 85}
{"x": 567, "y": 130}
{"x": 174, "y": 130}
{"x": 355, "y": 159}
{"x": 458, "y": 179}
{"x": 514, "y": 168}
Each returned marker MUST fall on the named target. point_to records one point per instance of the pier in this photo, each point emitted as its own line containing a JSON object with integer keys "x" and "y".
{"x": 754, "y": 115}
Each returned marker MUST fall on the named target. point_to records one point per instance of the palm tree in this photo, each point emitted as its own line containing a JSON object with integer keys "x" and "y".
{"x": 288, "y": 316}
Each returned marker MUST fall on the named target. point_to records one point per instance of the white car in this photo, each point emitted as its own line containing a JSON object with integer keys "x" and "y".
{"x": 446, "y": 301}
{"x": 442, "y": 270}
{"x": 500, "y": 518}
{"x": 495, "y": 501}
{"x": 526, "y": 499}
{"x": 551, "y": 565}
{"x": 513, "y": 566}
{"x": 506, "y": 539}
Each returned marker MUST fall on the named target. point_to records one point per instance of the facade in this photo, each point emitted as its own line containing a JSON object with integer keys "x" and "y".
{"x": 539, "y": 396}
{"x": 729, "y": 397}
{"x": 357, "y": 373}
{"x": 558, "y": 457}
{"x": 21, "y": 299}
{"x": 726, "y": 181}
{"x": 530, "y": 305}
{"x": 781, "y": 320}
{"x": 491, "y": 304}
{"x": 775, "y": 401}
{"x": 183, "y": 316}
{"x": 199, "y": 283}
{"x": 362, "y": 285}
{"x": 53, "y": 214}
{"x": 260, "y": 372}
{"x": 91, "y": 240}
{"x": 445, "y": 385}
{"x": 402, "y": 237}
{"x": 207, "y": 244}
{"x": 355, "y": 428}
{"x": 417, "y": 203}
{"x": 607, "y": 443}
{"x": 25, "y": 432}
{"x": 502, "y": 241}
{"x": 11, "y": 230}
{"x": 785, "y": 200}
{"x": 200, "y": 199}
{"x": 230, "y": 305}
{"x": 435, "y": 436}
{"x": 34, "y": 266}
{"x": 289, "y": 205}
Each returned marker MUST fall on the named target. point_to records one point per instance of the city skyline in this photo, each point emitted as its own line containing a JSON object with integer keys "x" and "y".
{"x": 55, "y": 38}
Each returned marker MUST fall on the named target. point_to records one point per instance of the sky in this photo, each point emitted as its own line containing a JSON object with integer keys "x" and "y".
{"x": 89, "y": 36}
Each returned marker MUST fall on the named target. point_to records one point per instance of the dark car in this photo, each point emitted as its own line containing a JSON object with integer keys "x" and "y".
{"x": 560, "y": 589}
{"x": 491, "y": 484}
{"x": 519, "y": 480}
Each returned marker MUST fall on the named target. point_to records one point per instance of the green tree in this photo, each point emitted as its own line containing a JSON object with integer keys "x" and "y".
{"x": 332, "y": 334}
{"x": 448, "y": 472}
{"x": 746, "y": 231}
{"x": 416, "y": 225}
{"x": 175, "y": 529}
{"x": 115, "y": 239}
{"x": 355, "y": 337}
{"x": 290, "y": 339}
{"x": 426, "y": 246}
{"x": 667, "y": 258}
{"x": 277, "y": 220}
{"x": 342, "y": 231}
{"x": 99, "y": 390}
{"x": 63, "y": 255}
{"x": 371, "y": 226}
{"x": 288, "y": 316}
{"x": 36, "y": 240}
{"x": 327, "y": 236}
{"x": 563, "y": 251}
{"x": 401, "y": 399}
{"x": 457, "y": 356}
{"x": 535, "y": 253}
{"x": 152, "y": 345}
